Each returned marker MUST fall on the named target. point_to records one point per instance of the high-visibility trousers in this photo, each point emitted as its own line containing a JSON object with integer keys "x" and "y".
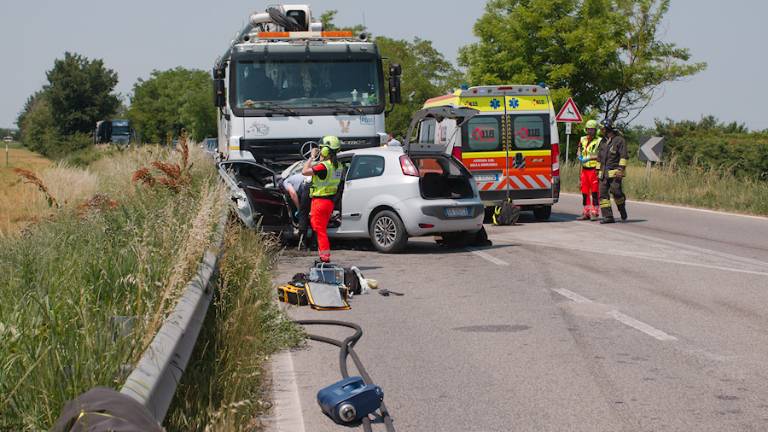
{"x": 320, "y": 214}
{"x": 589, "y": 186}
{"x": 611, "y": 186}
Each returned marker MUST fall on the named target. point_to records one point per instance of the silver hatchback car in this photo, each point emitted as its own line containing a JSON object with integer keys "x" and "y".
{"x": 388, "y": 194}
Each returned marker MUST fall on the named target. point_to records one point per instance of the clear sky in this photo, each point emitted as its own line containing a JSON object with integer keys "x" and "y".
{"x": 136, "y": 36}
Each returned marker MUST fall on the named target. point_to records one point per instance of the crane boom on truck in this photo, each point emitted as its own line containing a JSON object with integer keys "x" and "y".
{"x": 285, "y": 81}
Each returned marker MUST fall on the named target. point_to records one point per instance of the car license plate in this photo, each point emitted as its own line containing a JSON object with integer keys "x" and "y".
{"x": 486, "y": 177}
{"x": 457, "y": 211}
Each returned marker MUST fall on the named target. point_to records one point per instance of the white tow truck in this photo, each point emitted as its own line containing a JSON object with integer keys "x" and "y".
{"x": 285, "y": 81}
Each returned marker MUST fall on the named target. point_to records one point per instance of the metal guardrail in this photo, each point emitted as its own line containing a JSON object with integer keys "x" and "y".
{"x": 154, "y": 380}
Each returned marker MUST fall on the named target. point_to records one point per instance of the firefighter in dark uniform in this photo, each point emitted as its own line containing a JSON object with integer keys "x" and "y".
{"x": 611, "y": 165}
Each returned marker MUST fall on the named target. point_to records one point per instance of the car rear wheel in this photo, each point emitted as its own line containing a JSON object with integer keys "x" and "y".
{"x": 542, "y": 213}
{"x": 388, "y": 232}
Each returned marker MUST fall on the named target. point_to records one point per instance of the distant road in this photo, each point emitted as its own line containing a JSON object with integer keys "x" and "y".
{"x": 658, "y": 324}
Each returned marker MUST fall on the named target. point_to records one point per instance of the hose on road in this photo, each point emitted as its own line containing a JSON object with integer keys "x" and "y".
{"x": 347, "y": 350}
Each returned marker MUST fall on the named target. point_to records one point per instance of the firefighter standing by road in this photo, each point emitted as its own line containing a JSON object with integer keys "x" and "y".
{"x": 326, "y": 177}
{"x": 611, "y": 166}
{"x": 587, "y": 155}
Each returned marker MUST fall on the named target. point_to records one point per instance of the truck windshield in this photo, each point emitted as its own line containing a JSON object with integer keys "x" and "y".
{"x": 121, "y": 130}
{"x": 308, "y": 84}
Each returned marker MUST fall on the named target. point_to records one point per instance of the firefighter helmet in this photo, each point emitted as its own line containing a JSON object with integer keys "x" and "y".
{"x": 591, "y": 124}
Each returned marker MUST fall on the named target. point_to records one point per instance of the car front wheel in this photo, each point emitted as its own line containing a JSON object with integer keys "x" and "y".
{"x": 388, "y": 232}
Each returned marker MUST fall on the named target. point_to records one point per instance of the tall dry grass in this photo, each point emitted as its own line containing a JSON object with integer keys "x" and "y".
{"x": 223, "y": 389}
{"x": 104, "y": 258}
{"x": 686, "y": 185}
{"x": 20, "y": 202}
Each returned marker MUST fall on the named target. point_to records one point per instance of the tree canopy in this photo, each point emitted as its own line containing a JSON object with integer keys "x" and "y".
{"x": 170, "y": 101}
{"x": 79, "y": 91}
{"x": 606, "y": 54}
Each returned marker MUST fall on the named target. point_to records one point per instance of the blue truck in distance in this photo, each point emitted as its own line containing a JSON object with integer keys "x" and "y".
{"x": 116, "y": 131}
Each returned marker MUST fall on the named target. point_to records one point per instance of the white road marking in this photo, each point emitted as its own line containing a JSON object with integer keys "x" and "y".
{"x": 679, "y": 245}
{"x": 287, "y": 414}
{"x": 639, "y": 325}
{"x": 572, "y": 295}
{"x": 635, "y": 255}
{"x": 488, "y": 257}
{"x": 620, "y": 317}
{"x": 696, "y": 209}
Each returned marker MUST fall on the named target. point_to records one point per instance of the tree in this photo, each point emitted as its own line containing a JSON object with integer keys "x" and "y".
{"x": 31, "y": 100}
{"x": 327, "y": 18}
{"x": 170, "y": 101}
{"x": 38, "y": 132}
{"x": 605, "y": 53}
{"x": 426, "y": 72}
{"x": 79, "y": 91}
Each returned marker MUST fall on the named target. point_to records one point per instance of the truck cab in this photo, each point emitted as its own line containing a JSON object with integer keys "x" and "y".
{"x": 284, "y": 81}
{"x": 511, "y": 147}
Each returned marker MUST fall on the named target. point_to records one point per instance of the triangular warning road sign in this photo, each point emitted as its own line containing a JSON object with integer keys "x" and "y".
{"x": 569, "y": 113}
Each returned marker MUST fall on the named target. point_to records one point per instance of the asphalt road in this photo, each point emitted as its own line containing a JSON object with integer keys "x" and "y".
{"x": 658, "y": 324}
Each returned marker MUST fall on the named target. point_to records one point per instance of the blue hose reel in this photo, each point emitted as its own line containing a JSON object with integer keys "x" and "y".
{"x": 349, "y": 400}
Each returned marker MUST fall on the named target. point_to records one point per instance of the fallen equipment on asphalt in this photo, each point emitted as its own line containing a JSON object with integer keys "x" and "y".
{"x": 293, "y": 294}
{"x": 347, "y": 349}
{"x": 349, "y": 400}
{"x": 325, "y": 296}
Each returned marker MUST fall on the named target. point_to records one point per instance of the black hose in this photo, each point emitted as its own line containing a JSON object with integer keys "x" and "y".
{"x": 283, "y": 20}
{"x": 347, "y": 349}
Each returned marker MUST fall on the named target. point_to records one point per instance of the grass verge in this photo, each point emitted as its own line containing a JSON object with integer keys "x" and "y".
{"x": 223, "y": 387}
{"x": 20, "y": 203}
{"x": 688, "y": 186}
{"x": 116, "y": 252}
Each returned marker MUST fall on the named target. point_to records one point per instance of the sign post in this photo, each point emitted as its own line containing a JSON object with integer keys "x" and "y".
{"x": 568, "y": 114}
{"x": 650, "y": 151}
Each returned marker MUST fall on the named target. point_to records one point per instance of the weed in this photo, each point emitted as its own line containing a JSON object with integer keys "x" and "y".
{"x": 33, "y": 179}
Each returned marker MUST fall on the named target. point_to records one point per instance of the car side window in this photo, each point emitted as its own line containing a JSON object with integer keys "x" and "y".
{"x": 365, "y": 166}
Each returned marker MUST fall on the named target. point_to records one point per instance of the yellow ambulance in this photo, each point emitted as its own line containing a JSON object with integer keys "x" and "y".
{"x": 511, "y": 147}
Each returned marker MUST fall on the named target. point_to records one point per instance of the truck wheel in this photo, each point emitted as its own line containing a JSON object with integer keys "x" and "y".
{"x": 542, "y": 213}
{"x": 387, "y": 232}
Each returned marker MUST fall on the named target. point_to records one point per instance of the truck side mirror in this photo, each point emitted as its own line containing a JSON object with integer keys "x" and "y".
{"x": 219, "y": 93}
{"x": 394, "y": 83}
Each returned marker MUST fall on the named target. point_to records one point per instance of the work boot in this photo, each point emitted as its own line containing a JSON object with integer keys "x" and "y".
{"x": 608, "y": 220}
{"x": 583, "y": 217}
{"x": 623, "y": 211}
{"x": 594, "y": 217}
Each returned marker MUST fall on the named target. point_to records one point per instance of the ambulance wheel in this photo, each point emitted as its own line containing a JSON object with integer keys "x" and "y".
{"x": 542, "y": 213}
{"x": 387, "y": 232}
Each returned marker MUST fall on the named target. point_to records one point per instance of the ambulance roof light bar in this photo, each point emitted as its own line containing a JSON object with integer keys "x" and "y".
{"x": 501, "y": 90}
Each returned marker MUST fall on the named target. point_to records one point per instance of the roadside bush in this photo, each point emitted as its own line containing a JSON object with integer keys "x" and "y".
{"x": 713, "y": 145}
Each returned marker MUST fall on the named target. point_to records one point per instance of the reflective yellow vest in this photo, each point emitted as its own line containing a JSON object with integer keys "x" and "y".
{"x": 588, "y": 151}
{"x": 327, "y": 187}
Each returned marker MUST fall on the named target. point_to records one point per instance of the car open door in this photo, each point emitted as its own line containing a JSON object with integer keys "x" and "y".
{"x": 428, "y": 132}
{"x": 259, "y": 200}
